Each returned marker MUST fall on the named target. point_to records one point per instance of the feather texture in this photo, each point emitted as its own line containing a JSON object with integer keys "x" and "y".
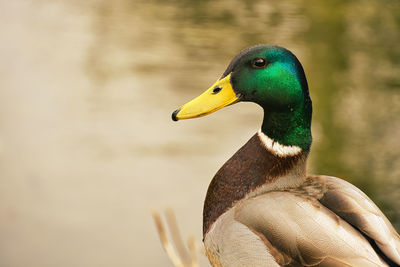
{"x": 319, "y": 223}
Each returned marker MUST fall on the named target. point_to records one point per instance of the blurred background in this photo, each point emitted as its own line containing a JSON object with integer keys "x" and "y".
{"x": 87, "y": 88}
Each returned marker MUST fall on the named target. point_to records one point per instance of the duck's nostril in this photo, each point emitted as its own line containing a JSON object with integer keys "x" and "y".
{"x": 216, "y": 90}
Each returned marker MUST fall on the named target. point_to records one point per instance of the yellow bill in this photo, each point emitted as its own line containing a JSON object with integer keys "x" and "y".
{"x": 219, "y": 95}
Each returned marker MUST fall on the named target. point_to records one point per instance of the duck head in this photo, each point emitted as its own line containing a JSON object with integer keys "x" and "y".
{"x": 270, "y": 76}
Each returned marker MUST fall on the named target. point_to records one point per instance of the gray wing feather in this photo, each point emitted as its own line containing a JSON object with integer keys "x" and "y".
{"x": 351, "y": 204}
{"x": 306, "y": 231}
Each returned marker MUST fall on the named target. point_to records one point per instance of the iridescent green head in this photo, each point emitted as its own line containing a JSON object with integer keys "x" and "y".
{"x": 272, "y": 77}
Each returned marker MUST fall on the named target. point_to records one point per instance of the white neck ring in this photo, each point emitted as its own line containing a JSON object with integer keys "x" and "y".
{"x": 276, "y": 148}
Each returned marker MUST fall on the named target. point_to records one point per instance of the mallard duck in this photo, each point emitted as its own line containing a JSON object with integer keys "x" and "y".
{"x": 262, "y": 208}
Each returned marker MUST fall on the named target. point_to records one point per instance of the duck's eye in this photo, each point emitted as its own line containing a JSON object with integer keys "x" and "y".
{"x": 259, "y": 63}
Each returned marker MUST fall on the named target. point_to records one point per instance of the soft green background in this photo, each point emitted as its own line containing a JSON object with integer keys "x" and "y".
{"x": 87, "y": 145}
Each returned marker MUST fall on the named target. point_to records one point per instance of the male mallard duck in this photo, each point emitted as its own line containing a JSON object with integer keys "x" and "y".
{"x": 261, "y": 208}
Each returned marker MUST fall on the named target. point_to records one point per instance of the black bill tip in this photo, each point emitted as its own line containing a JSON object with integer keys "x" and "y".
{"x": 174, "y": 118}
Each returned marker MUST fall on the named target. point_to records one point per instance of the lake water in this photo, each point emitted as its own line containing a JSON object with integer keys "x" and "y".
{"x": 87, "y": 144}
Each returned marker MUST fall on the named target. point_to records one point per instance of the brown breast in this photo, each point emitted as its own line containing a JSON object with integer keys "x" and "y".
{"x": 252, "y": 166}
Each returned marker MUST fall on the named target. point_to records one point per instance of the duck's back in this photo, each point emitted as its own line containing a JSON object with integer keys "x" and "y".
{"x": 295, "y": 228}
{"x": 318, "y": 221}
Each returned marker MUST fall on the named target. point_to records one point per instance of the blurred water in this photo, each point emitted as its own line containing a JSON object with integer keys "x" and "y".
{"x": 87, "y": 146}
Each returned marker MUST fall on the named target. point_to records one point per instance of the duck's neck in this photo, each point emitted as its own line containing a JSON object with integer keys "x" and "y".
{"x": 289, "y": 128}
